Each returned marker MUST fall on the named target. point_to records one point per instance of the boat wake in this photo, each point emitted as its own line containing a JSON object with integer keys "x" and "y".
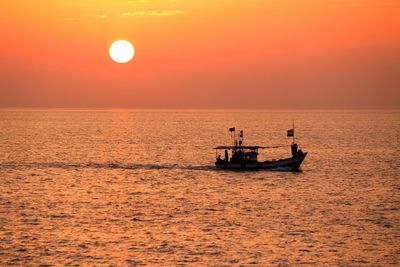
{"x": 92, "y": 165}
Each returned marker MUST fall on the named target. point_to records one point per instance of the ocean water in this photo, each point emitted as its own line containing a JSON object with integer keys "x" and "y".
{"x": 139, "y": 188}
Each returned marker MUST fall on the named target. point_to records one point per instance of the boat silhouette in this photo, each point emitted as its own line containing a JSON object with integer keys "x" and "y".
{"x": 240, "y": 157}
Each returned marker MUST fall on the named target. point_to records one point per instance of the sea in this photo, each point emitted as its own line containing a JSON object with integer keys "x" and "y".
{"x": 121, "y": 187}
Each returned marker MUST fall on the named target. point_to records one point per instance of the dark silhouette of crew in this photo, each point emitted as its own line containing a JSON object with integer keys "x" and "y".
{"x": 294, "y": 150}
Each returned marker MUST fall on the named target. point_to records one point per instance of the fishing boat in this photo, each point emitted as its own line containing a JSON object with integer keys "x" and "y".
{"x": 241, "y": 157}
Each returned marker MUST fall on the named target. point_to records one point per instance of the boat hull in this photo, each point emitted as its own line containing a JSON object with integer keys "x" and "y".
{"x": 288, "y": 164}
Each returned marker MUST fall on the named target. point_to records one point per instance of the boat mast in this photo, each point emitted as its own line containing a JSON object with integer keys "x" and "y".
{"x": 233, "y": 135}
{"x": 241, "y": 138}
{"x": 293, "y": 131}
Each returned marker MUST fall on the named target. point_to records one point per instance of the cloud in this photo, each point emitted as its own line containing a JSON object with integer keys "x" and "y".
{"x": 137, "y": 1}
{"x": 147, "y": 1}
{"x": 152, "y": 1}
{"x": 87, "y": 16}
{"x": 169, "y": 12}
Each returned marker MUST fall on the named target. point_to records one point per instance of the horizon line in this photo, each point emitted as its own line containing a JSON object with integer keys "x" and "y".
{"x": 212, "y": 109}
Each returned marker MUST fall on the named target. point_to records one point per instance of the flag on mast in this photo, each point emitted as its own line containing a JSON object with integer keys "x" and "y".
{"x": 290, "y": 132}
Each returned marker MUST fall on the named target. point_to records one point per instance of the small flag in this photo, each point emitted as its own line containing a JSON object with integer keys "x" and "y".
{"x": 290, "y": 132}
{"x": 232, "y": 129}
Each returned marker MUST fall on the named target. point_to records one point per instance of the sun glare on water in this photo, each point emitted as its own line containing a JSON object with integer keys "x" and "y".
{"x": 121, "y": 51}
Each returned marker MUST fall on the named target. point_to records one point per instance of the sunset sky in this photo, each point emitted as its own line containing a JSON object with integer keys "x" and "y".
{"x": 201, "y": 53}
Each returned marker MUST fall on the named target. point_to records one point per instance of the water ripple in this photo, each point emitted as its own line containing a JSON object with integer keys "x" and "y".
{"x": 92, "y": 165}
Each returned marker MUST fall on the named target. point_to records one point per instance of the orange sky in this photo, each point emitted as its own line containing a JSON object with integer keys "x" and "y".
{"x": 201, "y": 53}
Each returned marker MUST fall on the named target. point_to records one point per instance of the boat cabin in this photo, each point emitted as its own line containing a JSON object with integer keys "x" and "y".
{"x": 237, "y": 153}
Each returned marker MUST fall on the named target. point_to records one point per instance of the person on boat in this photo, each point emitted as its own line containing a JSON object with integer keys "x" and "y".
{"x": 226, "y": 155}
{"x": 233, "y": 157}
{"x": 294, "y": 149}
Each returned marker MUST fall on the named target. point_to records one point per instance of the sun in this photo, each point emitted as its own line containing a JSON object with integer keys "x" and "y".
{"x": 121, "y": 51}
